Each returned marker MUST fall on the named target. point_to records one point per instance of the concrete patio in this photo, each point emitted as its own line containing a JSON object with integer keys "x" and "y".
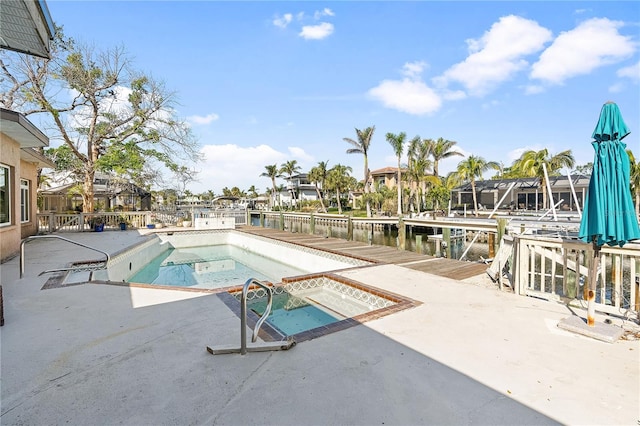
{"x": 104, "y": 354}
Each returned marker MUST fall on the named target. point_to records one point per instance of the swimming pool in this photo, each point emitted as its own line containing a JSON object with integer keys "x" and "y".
{"x": 214, "y": 266}
{"x": 310, "y": 306}
{"x": 213, "y": 259}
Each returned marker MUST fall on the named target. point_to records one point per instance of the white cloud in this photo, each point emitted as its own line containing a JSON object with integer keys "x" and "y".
{"x": 231, "y": 165}
{"x": 592, "y": 44}
{"x": 198, "y": 119}
{"x": 413, "y": 69}
{"x": 324, "y": 12}
{"x": 316, "y": 32}
{"x": 497, "y": 55}
{"x": 283, "y": 21}
{"x": 617, "y": 88}
{"x": 632, "y": 72}
{"x": 453, "y": 95}
{"x": 533, "y": 89}
{"x": 300, "y": 155}
{"x": 410, "y": 96}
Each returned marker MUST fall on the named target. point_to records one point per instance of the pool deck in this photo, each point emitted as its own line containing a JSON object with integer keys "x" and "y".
{"x": 468, "y": 354}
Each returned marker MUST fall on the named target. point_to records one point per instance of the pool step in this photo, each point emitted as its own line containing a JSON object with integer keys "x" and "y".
{"x": 75, "y": 277}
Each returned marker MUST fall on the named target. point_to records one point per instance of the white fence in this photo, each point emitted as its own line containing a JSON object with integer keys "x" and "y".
{"x": 558, "y": 269}
{"x": 81, "y": 222}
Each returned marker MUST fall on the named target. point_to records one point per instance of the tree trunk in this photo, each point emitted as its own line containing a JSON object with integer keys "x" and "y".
{"x": 399, "y": 191}
{"x": 324, "y": 209}
{"x": 475, "y": 199}
{"x": 338, "y": 198}
{"x": 87, "y": 192}
{"x": 367, "y": 189}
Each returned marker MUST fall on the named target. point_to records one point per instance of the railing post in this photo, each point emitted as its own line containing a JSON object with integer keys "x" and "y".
{"x": 502, "y": 229}
{"x": 349, "y": 228}
{"x": 52, "y": 222}
{"x": 402, "y": 234}
{"x": 446, "y": 239}
{"x": 491, "y": 240}
{"x": 281, "y": 221}
{"x": 419, "y": 244}
{"x": 81, "y": 222}
{"x": 312, "y": 224}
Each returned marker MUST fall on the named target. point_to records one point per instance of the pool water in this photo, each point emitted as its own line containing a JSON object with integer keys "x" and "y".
{"x": 308, "y": 303}
{"x": 211, "y": 267}
{"x": 291, "y": 314}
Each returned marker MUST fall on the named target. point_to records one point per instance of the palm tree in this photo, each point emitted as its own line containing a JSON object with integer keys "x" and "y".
{"x": 419, "y": 164}
{"x": 397, "y": 143}
{"x": 412, "y": 179}
{"x": 634, "y": 175}
{"x": 290, "y": 168}
{"x": 318, "y": 175}
{"x": 440, "y": 150}
{"x": 338, "y": 179}
{"x": 253, "y": 191}
{"x": 272, "y": 172}
{"x": 471, "y": 168}
{"x": 441, "y": 191}
{"x": 361, "y": 146}
{"x": 532, "y": 164}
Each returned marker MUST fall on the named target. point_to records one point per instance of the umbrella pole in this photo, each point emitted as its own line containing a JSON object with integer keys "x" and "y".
{"x": 591, "y": 292}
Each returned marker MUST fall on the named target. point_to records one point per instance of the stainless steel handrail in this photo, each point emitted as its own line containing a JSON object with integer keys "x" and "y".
{"x": 243, "y": 313}
{"x": 34, "y": 237}
{"x": 265, "y": 346}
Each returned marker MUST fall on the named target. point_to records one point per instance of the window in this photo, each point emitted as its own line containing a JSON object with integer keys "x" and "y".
{"x": 5, "y": 196}
{"x": 24, "y": 200}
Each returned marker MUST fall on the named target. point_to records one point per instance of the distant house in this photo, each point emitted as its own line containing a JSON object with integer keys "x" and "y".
{"x": 387, "y": 176}
{"x": 298, "y": 188}
{"x": 109, "y": 194}
{"x": 525, "y": 195}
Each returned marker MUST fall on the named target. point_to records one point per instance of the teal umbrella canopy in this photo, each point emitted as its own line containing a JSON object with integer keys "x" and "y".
{"x": 609, "y": 216}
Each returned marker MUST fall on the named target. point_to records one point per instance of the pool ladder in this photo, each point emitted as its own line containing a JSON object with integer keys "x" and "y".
{"x": 282, "y": 345}
{"x": 90, "y": 266}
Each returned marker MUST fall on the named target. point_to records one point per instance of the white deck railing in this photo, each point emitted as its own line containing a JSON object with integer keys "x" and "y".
{"x": 558, "y": 269}
{"x": 81, "y": 222}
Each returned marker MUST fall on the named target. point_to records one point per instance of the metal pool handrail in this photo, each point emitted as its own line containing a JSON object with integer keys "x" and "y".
{"x": 26, "y": 240}
{"x": 243, "y": 313}
{"x": 269, "y": 346}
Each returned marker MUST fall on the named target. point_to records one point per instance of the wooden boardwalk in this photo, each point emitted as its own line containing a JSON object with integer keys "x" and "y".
{"x": 450, "y": 268}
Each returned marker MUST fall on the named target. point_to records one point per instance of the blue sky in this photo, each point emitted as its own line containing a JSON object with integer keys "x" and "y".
{"x": 266, "y": 82}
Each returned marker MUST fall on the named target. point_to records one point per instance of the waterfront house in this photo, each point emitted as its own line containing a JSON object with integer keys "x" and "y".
{"x": 526, "y": 195}
{"x": 298, "y": 188}
{"x": 110, "y": 193}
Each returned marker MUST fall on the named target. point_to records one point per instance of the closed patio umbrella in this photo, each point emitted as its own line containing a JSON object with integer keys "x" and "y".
{"x": 609, "y": 216}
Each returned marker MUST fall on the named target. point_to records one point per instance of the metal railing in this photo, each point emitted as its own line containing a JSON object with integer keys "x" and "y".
{"x": 269, "y": 346}
{"x": 91, "y": 266}
{"x": 558, "y": 269}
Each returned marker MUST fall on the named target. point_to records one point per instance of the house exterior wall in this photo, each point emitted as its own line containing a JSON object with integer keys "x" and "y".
{"x": 13, "y": 232}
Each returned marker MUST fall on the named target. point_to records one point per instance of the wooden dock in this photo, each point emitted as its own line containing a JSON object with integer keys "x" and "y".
{"x": 450, "y": 268}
